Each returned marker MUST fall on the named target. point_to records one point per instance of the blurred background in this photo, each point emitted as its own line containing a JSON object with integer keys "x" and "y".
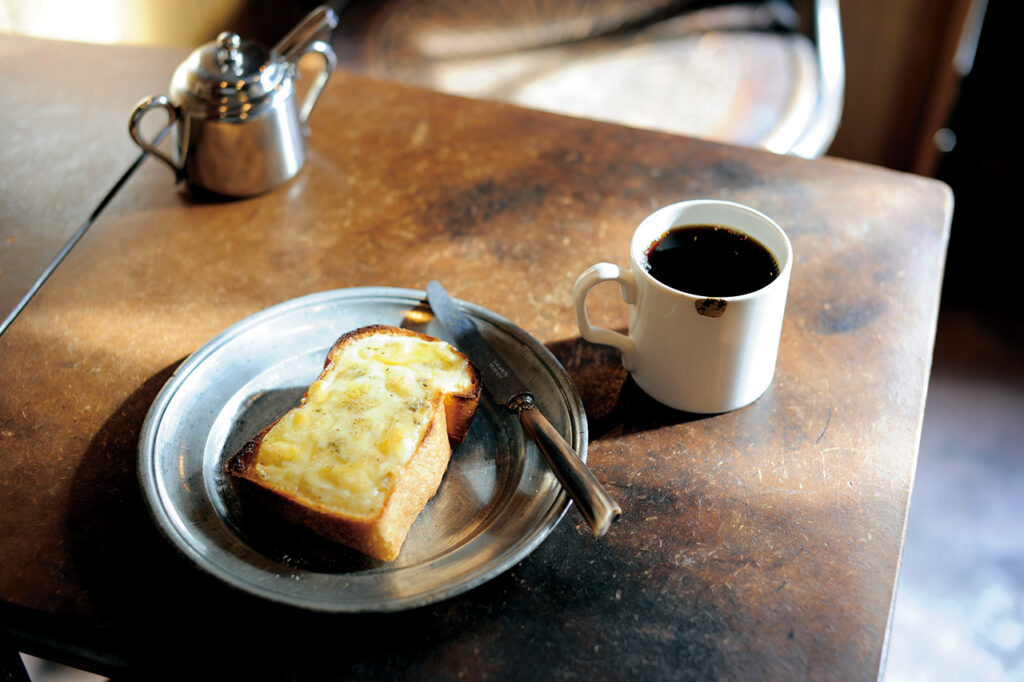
{"x": 918, "y": 86}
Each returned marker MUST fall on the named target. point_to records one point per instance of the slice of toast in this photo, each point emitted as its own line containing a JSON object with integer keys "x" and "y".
{"x": 368, "y": 445}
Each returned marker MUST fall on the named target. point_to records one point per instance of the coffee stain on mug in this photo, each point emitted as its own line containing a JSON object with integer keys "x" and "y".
{"x": 711, "y": 307}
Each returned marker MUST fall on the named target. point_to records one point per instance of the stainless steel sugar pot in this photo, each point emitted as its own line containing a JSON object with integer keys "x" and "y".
{"x": 240, "y": 130}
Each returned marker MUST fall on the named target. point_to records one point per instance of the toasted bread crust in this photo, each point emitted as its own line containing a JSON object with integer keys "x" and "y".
{"x": 382, "y": 534}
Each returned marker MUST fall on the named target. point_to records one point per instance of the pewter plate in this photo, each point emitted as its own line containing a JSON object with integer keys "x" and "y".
{"x": 497, "y": 503}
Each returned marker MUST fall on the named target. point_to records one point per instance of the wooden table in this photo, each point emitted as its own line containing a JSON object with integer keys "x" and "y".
{"x": 64, "y": 116}
{"x": 759, "y": 544}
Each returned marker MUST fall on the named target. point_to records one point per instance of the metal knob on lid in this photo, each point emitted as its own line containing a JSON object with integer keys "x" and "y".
{"x": 228, "y": 54}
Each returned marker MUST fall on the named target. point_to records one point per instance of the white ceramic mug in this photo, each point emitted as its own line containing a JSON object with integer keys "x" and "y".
{"x": 690, "y": 352}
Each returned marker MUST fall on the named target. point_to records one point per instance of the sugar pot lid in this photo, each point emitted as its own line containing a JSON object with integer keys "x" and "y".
{"x": 229, "y": 76}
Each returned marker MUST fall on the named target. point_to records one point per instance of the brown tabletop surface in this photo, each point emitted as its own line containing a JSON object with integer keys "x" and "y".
{"x": 64, "y": 116}
{"x": 759, "y": 544}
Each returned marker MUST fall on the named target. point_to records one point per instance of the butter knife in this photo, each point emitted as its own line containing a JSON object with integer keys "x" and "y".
{"x": 594, "y": 503}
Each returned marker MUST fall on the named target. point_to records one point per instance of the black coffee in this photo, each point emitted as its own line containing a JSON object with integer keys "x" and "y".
{"x": 711, "y": 260}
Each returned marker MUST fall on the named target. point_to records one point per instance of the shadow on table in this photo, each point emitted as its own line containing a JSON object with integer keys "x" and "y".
{"x": 146, "y": 607}
{"x": 615, "y": 405}
{"x": 148, "y": 610}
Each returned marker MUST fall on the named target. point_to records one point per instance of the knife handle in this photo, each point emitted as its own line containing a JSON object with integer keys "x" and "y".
{"x": 597, "y": 507}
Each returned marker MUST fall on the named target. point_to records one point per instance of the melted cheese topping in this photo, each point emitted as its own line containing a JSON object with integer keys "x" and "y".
{"x": 361, "y": 422}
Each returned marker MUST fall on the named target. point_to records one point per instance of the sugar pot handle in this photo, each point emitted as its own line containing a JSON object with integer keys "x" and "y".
{"x": 330, "y": 62}
{"x": 174, "y": 116}
{"x": 308, "y": 36}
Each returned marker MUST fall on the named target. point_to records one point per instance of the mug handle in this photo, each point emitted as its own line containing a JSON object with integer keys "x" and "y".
{"x": 330, "y": 63}
{"x": 172, "y": 112}
{"x": 591, "y": 277}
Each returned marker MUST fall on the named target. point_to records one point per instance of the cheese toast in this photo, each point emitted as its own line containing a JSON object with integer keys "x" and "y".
{"x": 366, "y": 448}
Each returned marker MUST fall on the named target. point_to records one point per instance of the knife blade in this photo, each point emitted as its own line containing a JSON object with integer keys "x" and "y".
{"x": 501, "y": 382}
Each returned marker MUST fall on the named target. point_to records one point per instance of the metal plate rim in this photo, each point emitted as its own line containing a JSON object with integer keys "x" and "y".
{"x": 168, "y": 519}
